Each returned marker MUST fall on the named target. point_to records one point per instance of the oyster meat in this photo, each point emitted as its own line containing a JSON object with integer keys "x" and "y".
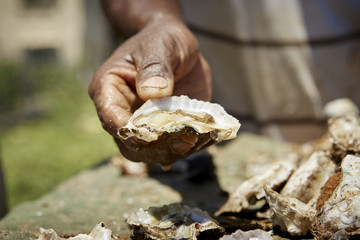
{"x": 342, "y": 210}
{"x": 160, "y": 124}
{"x": 173, "y": 221}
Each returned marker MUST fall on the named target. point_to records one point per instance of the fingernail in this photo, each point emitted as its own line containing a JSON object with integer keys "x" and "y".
{"x": 155, "y": 82}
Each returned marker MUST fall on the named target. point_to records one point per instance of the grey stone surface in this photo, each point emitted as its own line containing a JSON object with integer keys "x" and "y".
{"x": 93, "y": 196}
{"x": 103, "y": 194}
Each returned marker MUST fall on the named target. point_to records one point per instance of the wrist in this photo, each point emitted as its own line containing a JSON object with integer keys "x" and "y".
{"x": 158, "y": 18}
{"x": 130, "y": 16}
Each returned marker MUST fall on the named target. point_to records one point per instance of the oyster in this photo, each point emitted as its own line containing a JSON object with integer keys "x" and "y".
{"x": 99, "y": 232}
{"x": 344, "y": 235}
{"x": 290, "y": 214}
{"x": 306, "y": 182}
{"x": 339, "y": 107}
{"x": 344, "y": 131}
{"x": 342, "y": 210}
{"x": 259, "y": 165}
{"x": 250, "y": 191}
{"x": 249, "y": 235}
{"x": 160, "y": 124}
{"x": 317, "y": 196}
{"x": 173, "y": 222}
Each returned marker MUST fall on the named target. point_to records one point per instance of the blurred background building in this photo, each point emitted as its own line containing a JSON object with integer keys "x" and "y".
{"x": 35, "y": 34}
{"x": 63, "y": 31}
{"x": 48, "y": 30}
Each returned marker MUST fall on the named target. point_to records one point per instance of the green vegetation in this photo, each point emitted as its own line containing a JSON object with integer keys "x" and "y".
{"x": 65, "y": 136}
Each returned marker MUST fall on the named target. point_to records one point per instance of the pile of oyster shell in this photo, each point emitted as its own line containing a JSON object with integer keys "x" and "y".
{"x": 313, "y": 188}
{"x": 309, "y": 189}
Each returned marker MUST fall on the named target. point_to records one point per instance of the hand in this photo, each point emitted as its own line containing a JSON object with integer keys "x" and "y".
{"x": 163, "y": 59}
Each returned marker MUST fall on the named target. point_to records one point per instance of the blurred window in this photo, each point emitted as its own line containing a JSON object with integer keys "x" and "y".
{"x": 34, "y": 4}
{"x": 41, "y": 56}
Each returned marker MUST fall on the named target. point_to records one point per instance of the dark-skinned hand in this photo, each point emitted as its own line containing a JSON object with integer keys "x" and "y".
{"x": 161, "y": 60}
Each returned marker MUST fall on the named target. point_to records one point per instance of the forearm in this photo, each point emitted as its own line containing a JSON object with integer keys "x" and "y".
{"x": 130, "y": 16}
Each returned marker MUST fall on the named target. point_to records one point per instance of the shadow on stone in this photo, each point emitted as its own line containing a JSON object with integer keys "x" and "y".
{"x": 194, "y": 178}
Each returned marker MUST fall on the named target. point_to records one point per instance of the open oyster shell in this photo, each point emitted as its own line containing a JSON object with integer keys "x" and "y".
{"x": 306, "y": 182}
{"x": 159, "y": 124}
{"x": 250, "y": 191}
{"x": 173, "y": 221}
{"x": 290, "y": 214}
{"x": 342, "y": 210}
{"x": 260, "y": 164}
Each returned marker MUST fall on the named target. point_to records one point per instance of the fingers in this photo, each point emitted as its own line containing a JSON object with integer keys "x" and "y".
{"x": 154, "y": 79}
{"x": 147, "y": 66}
{"x": 113, "y": 101}
{"x": 197, "y": 84}
{"x": 161, "y": 61}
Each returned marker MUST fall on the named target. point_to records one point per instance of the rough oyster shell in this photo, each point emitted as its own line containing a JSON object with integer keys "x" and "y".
{"x": 342, "y": 210}
{"x": 306, "y": 182}
{"x": 159, "y": 123}
{"x": 172, "y": 222}
{"x": 344, "y": 131}
{"x": 252, "y": 190}
{"x": 290, "y": 214}
{"x": 339, "y": 107}
{"x": 260, "y": 164}
{"x": 99, "y": 232}
{"x": 248, "y": 235}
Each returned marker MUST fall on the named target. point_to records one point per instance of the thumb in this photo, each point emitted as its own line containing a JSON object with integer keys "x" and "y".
{"x": 154, "y": 79}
